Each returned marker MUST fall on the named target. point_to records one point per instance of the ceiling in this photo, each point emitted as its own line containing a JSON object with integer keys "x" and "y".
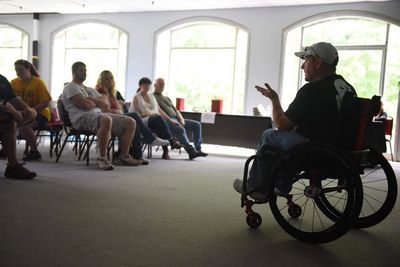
{"x": 101, "y": 6}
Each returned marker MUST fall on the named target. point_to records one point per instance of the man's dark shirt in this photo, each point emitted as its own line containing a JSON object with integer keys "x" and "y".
{"x": 6, "y": 91}
{"x": 314, "y": 111}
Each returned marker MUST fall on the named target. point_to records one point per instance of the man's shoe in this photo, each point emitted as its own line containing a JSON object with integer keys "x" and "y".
{"x": 258, "y": 196}
{"x": 127, "y": 161}
{"x": 175, "y": 144}
{"x": 159, "y": 142}
{"x": 144, "y": 161}
{"x": 165, "y": 155}
{"x": 19, "y": 172}
{"x": 2, "y": 154}
{"x": 104, "y": 164}
{"x": 193, "y": 154}
{"x": 202, "y": 154}
{"x": 32, "y": 156}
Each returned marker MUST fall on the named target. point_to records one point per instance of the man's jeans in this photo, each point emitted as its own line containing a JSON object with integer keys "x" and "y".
{"x": 191, "y": 126}
{"x": 155, "y": 123}
{"x": 259, "y": 179}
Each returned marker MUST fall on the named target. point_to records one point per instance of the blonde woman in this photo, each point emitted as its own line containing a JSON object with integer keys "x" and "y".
{"x": 106, "y": 87}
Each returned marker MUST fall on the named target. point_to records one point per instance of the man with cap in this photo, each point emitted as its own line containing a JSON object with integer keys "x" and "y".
{"x": 311, "y": 116}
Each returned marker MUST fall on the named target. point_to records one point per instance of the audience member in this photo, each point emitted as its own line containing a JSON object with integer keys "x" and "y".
{"x": 311, "y": 116}
{"x": 84, "y": 106}
{"x": 13, "y": 112}
{"x": 32, "y": 90}
{"x": 106, "y": 87}
{"x": 178, "y": 125}
{"x": 146, "y": 105}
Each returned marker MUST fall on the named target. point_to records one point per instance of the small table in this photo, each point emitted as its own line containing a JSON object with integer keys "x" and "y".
{"x": 232, "y": 130}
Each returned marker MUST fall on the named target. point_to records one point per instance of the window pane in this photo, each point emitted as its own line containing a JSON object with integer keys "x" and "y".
{"x": 10, "y": 37}
{"x": 353, "y": 31}
{"x": 88, "y": 42}
{"x": 291, "y": 67}
{"x": 92, "y": 35}
{"x": 210, "y": 78}
{"x": 7, "y": 58}
{"x": 13, "y": 46}
{"x": 204, "y": 35}
{"x": 90, "y": 58}
{"x": 392, "y": 78}
{"x": 204, "y": 60}
{"x": 362, "y": 69}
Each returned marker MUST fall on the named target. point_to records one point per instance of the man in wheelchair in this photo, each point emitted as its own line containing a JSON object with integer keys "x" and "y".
{"x": 312, "y": 115}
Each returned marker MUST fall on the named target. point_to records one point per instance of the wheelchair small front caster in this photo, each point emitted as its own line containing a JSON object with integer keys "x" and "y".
{"x": 294, "y": 211}
{"x": 253, "y": 220}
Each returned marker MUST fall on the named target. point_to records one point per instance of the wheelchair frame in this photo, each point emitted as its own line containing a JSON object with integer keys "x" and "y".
{"x": 346, "y": 185}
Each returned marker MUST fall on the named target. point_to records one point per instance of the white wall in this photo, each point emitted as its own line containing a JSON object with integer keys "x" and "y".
{"x": 266, "y": 26}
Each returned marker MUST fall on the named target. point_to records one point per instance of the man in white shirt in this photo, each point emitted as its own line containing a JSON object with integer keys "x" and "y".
{"x": 84, "y": 111}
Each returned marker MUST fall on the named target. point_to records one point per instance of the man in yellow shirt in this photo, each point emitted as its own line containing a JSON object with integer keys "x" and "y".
{"x": 32, "y": 90}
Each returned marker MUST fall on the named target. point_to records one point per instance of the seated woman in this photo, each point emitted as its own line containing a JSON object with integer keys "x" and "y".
{"x": 106, "y": 87}
{"x": 32, "y": 90}
{"x": 146, "y": 105}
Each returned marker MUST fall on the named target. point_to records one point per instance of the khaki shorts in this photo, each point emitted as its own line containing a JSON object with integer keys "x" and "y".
{"x": 89, "y": 122}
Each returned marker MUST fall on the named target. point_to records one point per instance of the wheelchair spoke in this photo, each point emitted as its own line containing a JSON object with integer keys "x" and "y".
{"x": 339, "y": 199}
{"x": 375, "y": 189}
{"x": 369, "y": 204}
{"x": 319, "y": 217}
{"x": 379, "y": 180}
{"x": 371, "y": 197}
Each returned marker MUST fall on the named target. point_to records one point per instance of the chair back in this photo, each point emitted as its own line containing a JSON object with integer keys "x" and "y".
{"x": 63, "y": 114}
{"x": 355, "y": 116}
{"x": 388, "y": 126}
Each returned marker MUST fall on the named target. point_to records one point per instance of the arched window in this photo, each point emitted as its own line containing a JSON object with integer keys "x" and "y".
{"x": 369, "y": 56}
{"x": 99, "y": 46}
{"x": 13, "y": 46}
{"x": 204, "y": 60}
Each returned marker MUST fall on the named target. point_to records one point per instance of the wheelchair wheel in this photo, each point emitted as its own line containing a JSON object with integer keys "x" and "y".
{"x": 379, "y": 191}
{"x": 253, "y": 220}
{"x": 317, "y": 171}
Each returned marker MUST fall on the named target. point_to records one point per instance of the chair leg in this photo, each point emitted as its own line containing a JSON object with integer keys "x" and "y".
{"x": 391, "y": 152}
{"x": 88, "y": 145}
{"x": 62, "y": 147}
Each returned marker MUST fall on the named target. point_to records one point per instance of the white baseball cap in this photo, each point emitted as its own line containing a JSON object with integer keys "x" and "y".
{"x": 326, "y": 51}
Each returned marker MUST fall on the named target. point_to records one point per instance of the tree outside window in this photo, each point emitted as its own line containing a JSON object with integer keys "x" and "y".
{"x": 99, "y": 46}
{"x": 13, "y": 46}
{"x": 204, "y": 60}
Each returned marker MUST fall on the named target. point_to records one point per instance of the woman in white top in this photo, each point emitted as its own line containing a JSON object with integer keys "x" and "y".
{"x": 146, "y": 105}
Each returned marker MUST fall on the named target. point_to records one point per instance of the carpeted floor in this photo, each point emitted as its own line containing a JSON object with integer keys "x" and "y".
{"x": 170, "y": 213}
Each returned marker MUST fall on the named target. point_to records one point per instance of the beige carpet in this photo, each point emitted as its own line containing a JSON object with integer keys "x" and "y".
{"x": 170, "y": 213}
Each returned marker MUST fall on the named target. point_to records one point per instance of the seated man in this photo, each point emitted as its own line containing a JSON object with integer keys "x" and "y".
{"x": 180, "y": 125}
{"x": 13, "y": 111}
{"x": 85, "y": 114}
{"x": 312, "y": 115}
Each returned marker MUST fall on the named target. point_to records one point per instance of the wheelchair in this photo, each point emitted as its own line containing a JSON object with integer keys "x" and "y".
{"x": 331, "y": 188}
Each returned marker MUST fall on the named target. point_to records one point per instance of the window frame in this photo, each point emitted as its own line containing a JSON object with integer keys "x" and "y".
{"x": 122, "y": 63}
{"x": 182, "y": 23}
{"x": 25, "y": 48}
